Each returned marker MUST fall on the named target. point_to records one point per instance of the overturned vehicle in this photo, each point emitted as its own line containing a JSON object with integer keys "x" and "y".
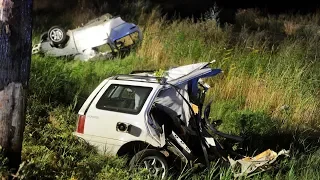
{"x": 105, "y": 37}
{"x": 156, "y": 120}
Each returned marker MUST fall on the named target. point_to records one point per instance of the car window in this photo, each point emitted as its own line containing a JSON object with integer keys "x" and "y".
{"x": 124, "y": 98}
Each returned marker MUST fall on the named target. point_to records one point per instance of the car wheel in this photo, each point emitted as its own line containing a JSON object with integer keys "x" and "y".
{"x": 152, "y": 160}
{"x": 57, "y": 35}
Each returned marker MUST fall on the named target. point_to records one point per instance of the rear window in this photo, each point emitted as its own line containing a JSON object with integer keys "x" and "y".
{"x": 124, "y": 98}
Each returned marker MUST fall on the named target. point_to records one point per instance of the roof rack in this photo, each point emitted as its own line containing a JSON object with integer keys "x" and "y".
{"x": 131, "y": 77}
{"x": 142, "y": 71}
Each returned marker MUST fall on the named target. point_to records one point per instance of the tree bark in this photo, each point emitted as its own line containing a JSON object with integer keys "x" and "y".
{"x": 15, "y": 58}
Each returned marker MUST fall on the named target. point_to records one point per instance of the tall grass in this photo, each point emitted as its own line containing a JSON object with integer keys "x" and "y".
{"x": 260, "y": 77}
{"x": 269, "y": 88}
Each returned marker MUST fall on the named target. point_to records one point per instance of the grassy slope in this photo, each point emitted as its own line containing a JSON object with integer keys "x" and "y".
{"x": 269, "y": 91}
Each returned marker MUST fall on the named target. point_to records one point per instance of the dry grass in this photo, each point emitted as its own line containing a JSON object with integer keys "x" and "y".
{"x": 264, "y": 81}
{"x": 263, "y": 94}
{"x": 290, "y": 28}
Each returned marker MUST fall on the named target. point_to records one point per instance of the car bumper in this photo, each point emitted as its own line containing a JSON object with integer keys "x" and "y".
{"x": 100, "y": 143}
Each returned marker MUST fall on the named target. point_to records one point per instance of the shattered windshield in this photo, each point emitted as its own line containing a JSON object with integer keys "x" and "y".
{"x": 128, "y": 40}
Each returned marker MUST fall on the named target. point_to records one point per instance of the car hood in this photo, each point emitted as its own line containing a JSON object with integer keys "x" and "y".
{"x": 187, "y": 74}
{"x": 182, "y": 74}
{"x": 122, "y": 30}
{"x": 191, "y": 74}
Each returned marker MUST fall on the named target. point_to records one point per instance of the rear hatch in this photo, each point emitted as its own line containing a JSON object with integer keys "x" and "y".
{"x": 86, "y": 105}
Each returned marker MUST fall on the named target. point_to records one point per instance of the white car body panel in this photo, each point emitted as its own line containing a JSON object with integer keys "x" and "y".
{"x": 93, "y": 94}
{"x": 69, "y": 49}
{"x": 100, "y": 125}
{"x": 93, "y": 36}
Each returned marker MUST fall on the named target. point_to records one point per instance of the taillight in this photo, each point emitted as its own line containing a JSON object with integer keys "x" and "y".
{"x": 81, "y": 122}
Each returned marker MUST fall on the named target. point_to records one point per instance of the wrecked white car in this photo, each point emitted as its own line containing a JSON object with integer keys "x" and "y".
{"x": 156, "y": 120}
{"x": 105, "y": 36}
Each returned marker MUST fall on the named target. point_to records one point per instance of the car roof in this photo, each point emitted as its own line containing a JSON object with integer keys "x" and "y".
{"x": 174, "y": 76}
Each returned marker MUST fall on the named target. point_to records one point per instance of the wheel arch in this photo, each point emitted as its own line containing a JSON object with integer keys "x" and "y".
{"x": 131, "y": 148}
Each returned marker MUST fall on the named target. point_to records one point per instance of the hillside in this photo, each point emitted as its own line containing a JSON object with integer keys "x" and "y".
{"x": 269, "y": 92}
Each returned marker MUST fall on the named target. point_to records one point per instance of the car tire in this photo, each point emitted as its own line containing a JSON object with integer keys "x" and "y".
{"x": 57, "y": 35}
{"x": 153, "y": 160}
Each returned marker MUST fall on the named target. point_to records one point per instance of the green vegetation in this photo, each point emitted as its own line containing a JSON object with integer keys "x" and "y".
{"x": 269, "y": 92}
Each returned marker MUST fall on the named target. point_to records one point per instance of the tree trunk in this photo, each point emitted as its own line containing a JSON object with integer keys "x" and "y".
{"x": 15, "y": 57}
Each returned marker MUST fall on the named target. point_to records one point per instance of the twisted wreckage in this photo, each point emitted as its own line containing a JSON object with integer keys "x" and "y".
{"x": 159, "y": 120}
